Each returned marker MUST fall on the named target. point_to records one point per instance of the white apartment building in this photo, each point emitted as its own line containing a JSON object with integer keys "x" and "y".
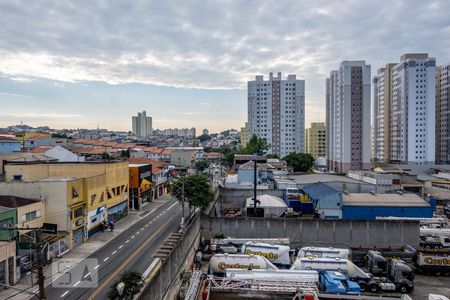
{"x": 348, "y": 117}
{"x": 142, "y": 125}
{"x": 276, "y": 112}
{"x": 443, "y": 114}
{"x": 412, "y": 110}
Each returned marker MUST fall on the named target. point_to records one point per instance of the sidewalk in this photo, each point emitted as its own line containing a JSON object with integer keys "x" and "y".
{"x": 82, "y": 251}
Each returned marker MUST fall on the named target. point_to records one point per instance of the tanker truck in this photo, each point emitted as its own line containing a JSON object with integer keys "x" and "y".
{"x": 220, "y": 262}
{"x": 323, "y": 252}
{"x": 276, "y": 254}
{"x": 432, "y": 262}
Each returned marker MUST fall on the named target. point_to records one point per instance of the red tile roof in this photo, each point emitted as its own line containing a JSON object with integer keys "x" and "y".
{"x": 41, "y": 149}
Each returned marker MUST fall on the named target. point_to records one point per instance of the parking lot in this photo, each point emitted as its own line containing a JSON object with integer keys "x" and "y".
{"x": 425, "y": 285}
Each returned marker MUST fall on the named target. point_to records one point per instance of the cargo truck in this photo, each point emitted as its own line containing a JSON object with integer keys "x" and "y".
{"x": 220, "y": 262}
{"x": 323, "y": 252}
{"x": 333, "y": 282}
{"x": 432, "y": 262}
{"x": 435, "y": 242}
{"x": 277, "y": 254}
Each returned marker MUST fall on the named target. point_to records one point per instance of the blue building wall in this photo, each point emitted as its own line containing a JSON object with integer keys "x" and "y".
{"x": 323, "y": 196}
{"x": 371, "y": 212}
{"x": 246, "y": 175}
{"x": 9, "y": 146}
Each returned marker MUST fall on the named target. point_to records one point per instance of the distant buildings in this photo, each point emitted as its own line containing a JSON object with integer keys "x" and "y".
{"x": 178, "y": 132}
{"x": 9, "y": 145}
{"x": 443, "y": 114}
{"x": 142, "y": 125}
{"x": 315, "y": 140}
{"x": 348, "y": 117}
{"x": 244, "y": 135}
{"x": 276, "y": 112}
{"x": 404, "y": 111}
{"x": 205, "y": 132}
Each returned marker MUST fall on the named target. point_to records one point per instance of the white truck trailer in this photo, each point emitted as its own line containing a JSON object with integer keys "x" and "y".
{"x": 277, "y": 254}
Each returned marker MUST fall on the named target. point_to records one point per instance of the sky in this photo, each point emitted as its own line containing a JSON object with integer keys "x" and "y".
{"x": 83, "y": 64}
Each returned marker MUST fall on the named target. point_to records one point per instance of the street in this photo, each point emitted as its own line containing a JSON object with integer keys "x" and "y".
{"x": 132, "y": 250}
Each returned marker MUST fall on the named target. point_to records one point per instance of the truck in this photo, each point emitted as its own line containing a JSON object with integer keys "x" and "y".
{"x": 358, "y": 255}
{"x": 333, "y": 282}
{"x": 220, "y": 262}
{"x": 323, "y": 252}
{"x": 398, "y": 276}
{"x": 435, "y": 242}
{"x": 273, "y": 275}
{"x": 276, "y": 254}
{"x": 432, "y": 262}
{"x": 425, "y": 231}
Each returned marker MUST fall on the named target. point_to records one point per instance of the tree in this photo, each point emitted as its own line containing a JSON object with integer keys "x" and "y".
{"x": 197, "y": 190}
{"x": 272, "y": 156}
{"x": 133, "y": 285}
{"x": 255, "y": 145}
{"x": 301, "y": 162}
{"x": 204, "y": 138}
{"x": 201, "y": 165}
{"x": 125, "y": 153}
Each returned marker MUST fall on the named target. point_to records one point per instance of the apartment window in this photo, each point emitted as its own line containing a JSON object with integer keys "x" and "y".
{"x": 31, "y": 215}
{"x": 79, "y": 212}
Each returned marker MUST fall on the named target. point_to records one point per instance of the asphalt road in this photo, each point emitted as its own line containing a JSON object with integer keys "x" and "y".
{"x": 132, "y": 250}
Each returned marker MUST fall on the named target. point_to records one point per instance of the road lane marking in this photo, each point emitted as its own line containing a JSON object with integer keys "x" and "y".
{"x": 132, "y": 236}
{"x": 125, "y": 263}
{"x": 85, "y": 276}
{"x": 120, "y": 247}
{"x": 77, "y": 283}
{"x": 64, "y": 294}
{"x": 146, "y": 225}
{"x": 127, "y": 241}
{"x": 96, "y": 267}
{"x": 114, "y": 252}
{"x": 35, "y": 291}
{"x": 106, "y": 259}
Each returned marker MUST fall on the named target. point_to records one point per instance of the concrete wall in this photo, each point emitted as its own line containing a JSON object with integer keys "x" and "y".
{"x": 235, "y": 198}
{"x": 166, "y": 280}
{"x": 337, "y": 233}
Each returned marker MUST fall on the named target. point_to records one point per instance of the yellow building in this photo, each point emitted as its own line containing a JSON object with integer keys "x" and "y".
{"x": 244, "y": 135}
{"x": 315, "y": 140}
{"x": 77, "y": 196}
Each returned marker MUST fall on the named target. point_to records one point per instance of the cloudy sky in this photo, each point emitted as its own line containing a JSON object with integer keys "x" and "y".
{"x": 70, "y": 64}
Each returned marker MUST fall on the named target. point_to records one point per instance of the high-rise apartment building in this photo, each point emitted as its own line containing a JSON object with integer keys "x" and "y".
{"x": 404, "y": 111}
{"x": 315, "y": 140}
{"x": 382, "y": 88}
{"x": 276, "y": 112}
{"x": 243, "y": 134}
{"x": 443, "y": 114}
{"x": 348, "y": 117}
{"x": 142, "y": 125}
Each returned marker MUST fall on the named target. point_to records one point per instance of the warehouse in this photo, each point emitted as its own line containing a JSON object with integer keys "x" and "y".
{"x": 368, "y": 206}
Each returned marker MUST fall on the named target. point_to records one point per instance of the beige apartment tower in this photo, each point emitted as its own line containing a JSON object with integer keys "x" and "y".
{"x": 315, "y": 140}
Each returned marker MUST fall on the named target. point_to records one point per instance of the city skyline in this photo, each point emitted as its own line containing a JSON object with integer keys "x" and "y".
{"x": 195, "y": 61}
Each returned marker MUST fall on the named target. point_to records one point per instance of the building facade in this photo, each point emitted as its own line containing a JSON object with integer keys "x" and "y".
{"x": 382, "y": 89}
{"x": 315, "y": 140}
{"x": 412, "y": 105}
{"x": 9, "y": 145}
{"x": 244, "y": 135}
{"x": 348, "y": 117}
{"x": 443, "y": 114}
{"x": 142, "y": 125}
{"x": 276, "y": 112}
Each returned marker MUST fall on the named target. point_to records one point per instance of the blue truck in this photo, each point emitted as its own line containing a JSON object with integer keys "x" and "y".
{"x": 333, "y": 282}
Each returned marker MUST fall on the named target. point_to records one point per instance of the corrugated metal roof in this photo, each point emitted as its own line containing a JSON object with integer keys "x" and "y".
{"x": 318, "y": 190}
{"x": 367, "y": 199}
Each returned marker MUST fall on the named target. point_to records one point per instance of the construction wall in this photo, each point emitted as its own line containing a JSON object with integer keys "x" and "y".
{"x": 339, "y": 233}
{"x": 164, "y": 283}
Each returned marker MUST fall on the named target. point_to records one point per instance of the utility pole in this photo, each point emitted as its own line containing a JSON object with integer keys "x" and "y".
{"x": 182, "y": 205}
{"x": 40, "y": 265}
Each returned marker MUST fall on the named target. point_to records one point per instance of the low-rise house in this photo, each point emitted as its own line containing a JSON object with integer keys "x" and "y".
{"x": 326, "y": 200}
{"x": 8, "y": 218}
{"x": 59, "y": 153}
{"x": 9, "y": 145}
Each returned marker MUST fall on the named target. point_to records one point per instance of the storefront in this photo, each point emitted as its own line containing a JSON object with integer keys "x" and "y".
{"x": 117, "y": 212}
{"x": 95, "y": 219}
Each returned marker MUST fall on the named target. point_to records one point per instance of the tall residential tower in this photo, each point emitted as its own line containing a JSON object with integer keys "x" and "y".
{"x": 443, "y": 114}
{"x": 142, "y": 125}
{"x": 348, "y": 117}
{"x": 315, "y": 140}
{"x": 404, "y": 111}
{"x": 276, "y": 112}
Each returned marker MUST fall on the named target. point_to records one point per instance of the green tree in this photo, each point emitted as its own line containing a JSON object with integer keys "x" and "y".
{"x": 197, "y": 190}
{"x": 255, "y": 145}
{"x": 272, "y": 156}
{"x": 204, "y": 138}
{"x": 301, "y": 162}
{"x": 125, "y": 153}
{"x": 133, "y": 285}
{"x": 201, "y": 165}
